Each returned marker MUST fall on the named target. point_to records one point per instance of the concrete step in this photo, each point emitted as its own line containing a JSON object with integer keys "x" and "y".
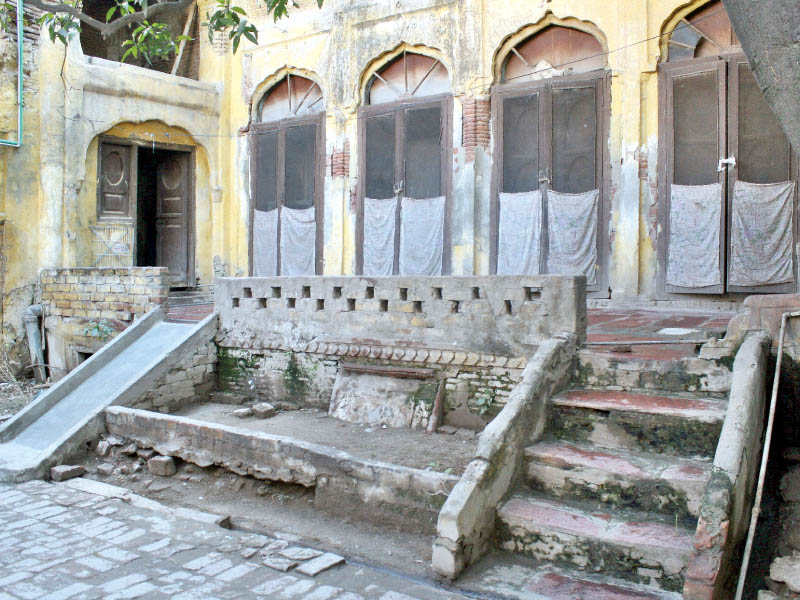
{"x": 629, "y": 546}
{"x": 679, "y": 425}
{"x": 658, "y": 372}
{"x": 618, "y": 478}
{"x": 509, "y": 575}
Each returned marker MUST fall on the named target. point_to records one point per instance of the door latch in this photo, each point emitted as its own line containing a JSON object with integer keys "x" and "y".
{"x": 730, "y": 162}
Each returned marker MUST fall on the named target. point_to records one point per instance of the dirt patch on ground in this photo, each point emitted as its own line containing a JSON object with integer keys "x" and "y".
{"x": 284, "y": 510}
{"x": 14, "y": 396}
{"x": 440, "y": 452}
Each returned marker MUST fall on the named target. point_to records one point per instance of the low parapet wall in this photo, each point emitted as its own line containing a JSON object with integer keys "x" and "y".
{"x": 725, "y": 511}
{"x": 506, "y": 316}
{"x": 466, "y": 522}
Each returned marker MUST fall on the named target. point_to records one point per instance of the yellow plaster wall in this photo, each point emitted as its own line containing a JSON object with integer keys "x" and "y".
{"x": 338, "y": 46}
{"x": 341, "y": 45}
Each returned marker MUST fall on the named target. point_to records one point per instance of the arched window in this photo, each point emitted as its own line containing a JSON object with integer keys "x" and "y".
{"x": 549, "y": 197}
{"x": 404, "y": 189}
{"x": 286, "y": 167}
{"x": 723, "y": 154}
{"x": 551, "y": 52}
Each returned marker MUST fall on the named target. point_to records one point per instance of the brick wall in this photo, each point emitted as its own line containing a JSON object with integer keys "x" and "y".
{"x": 193, "y": 376}
{"x": 475, "y": 126}
{"x": 264, "y": 374}
{"x": 118, "y": 294}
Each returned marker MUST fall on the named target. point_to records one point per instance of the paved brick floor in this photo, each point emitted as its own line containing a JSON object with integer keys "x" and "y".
{"x": 57, "y": 542}
{"x": 608, "y": 325}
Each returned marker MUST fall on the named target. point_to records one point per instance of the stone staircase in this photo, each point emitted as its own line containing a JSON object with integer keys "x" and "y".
{"x": 615, "y": 486}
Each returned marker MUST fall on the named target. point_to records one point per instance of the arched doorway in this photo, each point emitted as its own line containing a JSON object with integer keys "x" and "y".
{"x": 727, "y": 173}
{"x": 548, "y": 192}
{"x": 146, "y": 205}
{"x": 287, "y": 148}
{"x": 404, "y": 187}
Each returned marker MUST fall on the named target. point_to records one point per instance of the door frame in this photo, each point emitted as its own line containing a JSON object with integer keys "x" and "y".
{"x": 280, "y": 127}
{"x": 727, "y": 98}
{"x": 398, "y": 108}
{"x": 601, "y": 80}
{"x": 136, "y": 146}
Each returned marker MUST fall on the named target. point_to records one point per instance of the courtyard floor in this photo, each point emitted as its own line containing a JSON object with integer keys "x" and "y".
{"x": 58, "y": 542}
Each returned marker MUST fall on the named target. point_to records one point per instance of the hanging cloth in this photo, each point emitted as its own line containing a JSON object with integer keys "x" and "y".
{"x": 265, "y": 243}
{"x": 421, "y": 236}
{"x": 761, "y": 234}
{"x": 519, "y": 233}
{"x": 694, "y": 233}
{"x": 572, "y": 231}
{"x": 379, "y": 230}
{"x": 298, "y": 241}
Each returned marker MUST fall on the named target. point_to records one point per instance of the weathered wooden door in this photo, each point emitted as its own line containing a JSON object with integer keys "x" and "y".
{"x": 172, "y": 217}
{"x": 114, "y": 180}
{"x": 720, "y": 134}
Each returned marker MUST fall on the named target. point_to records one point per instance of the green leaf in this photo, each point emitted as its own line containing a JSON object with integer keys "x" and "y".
{"x": 110, "y": 13}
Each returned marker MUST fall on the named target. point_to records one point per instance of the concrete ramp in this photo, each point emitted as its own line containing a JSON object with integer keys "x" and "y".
{"x": 71, "y": 412}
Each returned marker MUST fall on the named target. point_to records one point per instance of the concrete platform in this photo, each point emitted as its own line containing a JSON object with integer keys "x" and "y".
{"x": 401, "y": 446}
{"x": 386, "y": 493}
{"x": 669, "y": 326}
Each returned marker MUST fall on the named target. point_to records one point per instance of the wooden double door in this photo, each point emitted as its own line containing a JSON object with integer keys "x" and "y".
{"x": 150, "y": 189}
{"x": 553, "y": 139}
{"x": 719, "y": 132}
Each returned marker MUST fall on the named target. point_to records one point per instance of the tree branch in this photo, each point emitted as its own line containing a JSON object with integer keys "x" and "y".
{"x": 107, "y": 29}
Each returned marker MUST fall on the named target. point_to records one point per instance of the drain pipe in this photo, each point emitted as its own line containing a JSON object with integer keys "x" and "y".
{"x": 764, "y": 458}
{"x": 31, "y": 318}
{"x": 20, "y": 41}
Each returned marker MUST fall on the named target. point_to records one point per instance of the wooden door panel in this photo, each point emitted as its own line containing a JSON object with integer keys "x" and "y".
{"x": 763, "y": 156}
{"x": 114, "y": 178}
{"x": 693, "y": 123}
{"x": 172, "y": 217}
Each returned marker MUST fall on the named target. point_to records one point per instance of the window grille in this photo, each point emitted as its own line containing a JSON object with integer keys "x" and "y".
{"x": 112, "y": 245}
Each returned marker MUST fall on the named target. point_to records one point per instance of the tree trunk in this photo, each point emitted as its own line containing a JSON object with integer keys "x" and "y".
{"x": 769, "y": 31}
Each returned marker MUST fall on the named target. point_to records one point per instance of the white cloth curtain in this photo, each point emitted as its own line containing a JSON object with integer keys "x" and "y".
{"x": 572, "y": 231}
{"x": 379, "y": 230}
{"x": 265, "y": 243}
{"x": 519, "y": 233}
{"x": 761, "y": 234}
{"x": 694, "y": 230}
{"x": 421, "y": 236}
{"x": 298, "y": 241}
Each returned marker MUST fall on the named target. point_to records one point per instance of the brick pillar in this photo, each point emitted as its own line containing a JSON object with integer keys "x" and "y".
{"x": 340, "y": 161}
{"x": 475, "y": 127}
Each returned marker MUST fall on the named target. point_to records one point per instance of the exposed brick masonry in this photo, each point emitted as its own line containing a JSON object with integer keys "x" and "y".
{"x": 106, "y": 293}
{"x": 340, "y": 161}
{"x": 475, "y": 131}
{"x": 193, "y": 376}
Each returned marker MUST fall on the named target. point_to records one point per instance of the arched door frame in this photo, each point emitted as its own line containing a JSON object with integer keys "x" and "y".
{"x": 600, "y": 81}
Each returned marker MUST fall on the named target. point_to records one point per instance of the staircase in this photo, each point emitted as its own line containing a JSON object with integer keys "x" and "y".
{"x": 615, "y": 486}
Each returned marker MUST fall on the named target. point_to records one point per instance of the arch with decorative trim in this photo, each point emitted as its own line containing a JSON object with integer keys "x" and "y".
{"x": 404, "y": 188}
{"x": 550, "y": 110}
{"x": 718, "y": 133}
{"x": 287, "y": 162}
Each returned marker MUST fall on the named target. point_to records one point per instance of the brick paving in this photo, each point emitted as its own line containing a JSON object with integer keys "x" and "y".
{"x": 625, "y": 325}
{"x": 189, "y": 313}
{"x": 57, "y": 542}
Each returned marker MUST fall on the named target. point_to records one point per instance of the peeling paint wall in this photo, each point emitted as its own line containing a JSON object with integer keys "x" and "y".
{"x": 48, "y": 187}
